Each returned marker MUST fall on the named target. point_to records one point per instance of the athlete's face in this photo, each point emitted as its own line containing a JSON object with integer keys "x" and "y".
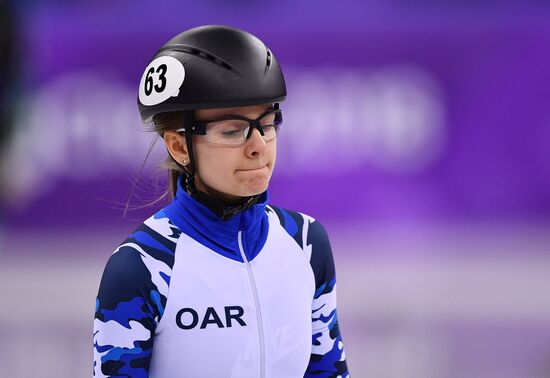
{"x": 232, "y": 172}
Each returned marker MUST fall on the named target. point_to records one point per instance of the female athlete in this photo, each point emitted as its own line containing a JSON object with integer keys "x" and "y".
{"x": 219, "y": 283}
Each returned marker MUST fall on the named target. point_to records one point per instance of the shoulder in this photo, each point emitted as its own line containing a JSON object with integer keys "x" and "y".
{"x": 302, "y": 227}
{"x": 312, "y": 237}
{"x": 141, "y": 265}
{"x": 154, "y": 239}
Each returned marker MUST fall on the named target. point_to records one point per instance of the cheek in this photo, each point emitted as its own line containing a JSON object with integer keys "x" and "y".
{"x": 214, "y": 166}
{"x": 273, "y": 153}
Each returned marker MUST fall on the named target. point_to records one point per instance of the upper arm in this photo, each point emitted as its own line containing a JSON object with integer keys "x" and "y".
{"x": 125, "y": 318}
{"x": 327, "y": 353}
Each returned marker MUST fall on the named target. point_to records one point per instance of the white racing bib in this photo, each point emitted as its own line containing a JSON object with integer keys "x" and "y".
{"x": 161, "y": 80}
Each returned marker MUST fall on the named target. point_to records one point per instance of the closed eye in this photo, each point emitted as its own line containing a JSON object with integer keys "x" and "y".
{"x": 231, "y": 133}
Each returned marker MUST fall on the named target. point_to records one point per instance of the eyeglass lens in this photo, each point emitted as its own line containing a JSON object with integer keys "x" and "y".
{"x": 236, "y": 131}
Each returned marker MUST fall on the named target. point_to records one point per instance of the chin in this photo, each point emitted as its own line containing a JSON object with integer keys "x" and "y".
{"x": 255, "y": 189}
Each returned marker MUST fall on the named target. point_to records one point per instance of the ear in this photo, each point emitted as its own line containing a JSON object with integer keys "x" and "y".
{"x": 176, "y": 145}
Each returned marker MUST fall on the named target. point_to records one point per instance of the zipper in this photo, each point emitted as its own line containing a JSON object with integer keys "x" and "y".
{"x": 257, "y": 304}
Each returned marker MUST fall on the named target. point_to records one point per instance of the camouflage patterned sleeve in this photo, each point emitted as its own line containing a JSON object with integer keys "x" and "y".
{"x": 327, "y": 356}
{"x": 127, "y": 311}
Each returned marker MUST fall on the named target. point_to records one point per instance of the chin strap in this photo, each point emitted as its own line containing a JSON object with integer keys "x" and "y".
{"x": 222, "y": 211}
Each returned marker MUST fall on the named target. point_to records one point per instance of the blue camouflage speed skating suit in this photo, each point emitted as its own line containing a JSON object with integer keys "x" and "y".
{"x": 190, "y": 295}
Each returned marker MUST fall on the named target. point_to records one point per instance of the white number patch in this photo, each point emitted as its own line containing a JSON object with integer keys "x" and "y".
{"x": 161, "y": 80}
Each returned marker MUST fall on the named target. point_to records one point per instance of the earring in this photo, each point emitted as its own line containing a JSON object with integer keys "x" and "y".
{"x": 184, "y": 162}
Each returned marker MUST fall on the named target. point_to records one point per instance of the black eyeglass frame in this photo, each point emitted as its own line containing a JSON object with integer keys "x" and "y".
{"x": 199, "y": 127}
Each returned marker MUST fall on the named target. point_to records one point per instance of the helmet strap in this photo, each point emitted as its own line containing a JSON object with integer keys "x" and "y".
{"x": 222, "y": 211}
{"x": 189, "y": 121}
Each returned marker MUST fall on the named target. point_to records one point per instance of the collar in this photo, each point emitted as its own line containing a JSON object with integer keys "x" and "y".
{"x": 220, "y": 209}
{"x": 204, "y": 226}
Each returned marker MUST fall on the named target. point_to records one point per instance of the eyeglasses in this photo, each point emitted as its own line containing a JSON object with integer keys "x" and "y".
{"x": 234, "y": 130}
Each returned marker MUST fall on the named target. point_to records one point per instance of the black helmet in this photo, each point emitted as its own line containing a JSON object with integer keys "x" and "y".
{"x": 210, "y": 67}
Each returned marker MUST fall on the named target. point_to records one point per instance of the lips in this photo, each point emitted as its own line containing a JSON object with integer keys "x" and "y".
{"x": 252, "y": 169}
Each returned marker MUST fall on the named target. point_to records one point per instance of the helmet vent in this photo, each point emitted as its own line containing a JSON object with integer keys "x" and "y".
{"x": 201, "y": 54}
{"x": 212, "y": 58}
{"x": 268, "y": 61}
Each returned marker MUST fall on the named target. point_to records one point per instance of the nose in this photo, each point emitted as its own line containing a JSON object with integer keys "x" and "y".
{"x": 255, "y": 145}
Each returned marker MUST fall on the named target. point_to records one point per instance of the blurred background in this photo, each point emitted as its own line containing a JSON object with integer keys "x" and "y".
{"x": 416, "y": 132}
